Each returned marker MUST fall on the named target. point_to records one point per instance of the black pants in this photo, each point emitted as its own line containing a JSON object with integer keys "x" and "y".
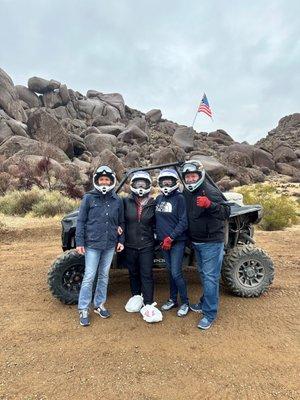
{"x": 139, "y": 264}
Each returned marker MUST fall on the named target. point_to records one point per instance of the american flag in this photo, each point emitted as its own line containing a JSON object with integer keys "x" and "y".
{"x": 204, "y": 106}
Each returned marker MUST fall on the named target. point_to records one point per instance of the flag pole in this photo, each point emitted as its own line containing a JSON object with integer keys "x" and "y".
{"x": 191, "y": 128}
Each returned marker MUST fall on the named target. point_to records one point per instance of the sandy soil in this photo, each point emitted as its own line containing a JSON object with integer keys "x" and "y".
{"x": 251, "y": 352}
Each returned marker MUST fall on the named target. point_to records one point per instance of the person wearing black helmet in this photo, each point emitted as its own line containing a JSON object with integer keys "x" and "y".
{"x": 207, "y": 211}
{"x": 139, "y": 213}
{"x": 98, "y": 234}
{"x": 171, "y": 228}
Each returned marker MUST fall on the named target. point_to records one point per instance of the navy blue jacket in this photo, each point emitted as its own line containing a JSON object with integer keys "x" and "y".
{"x": 171, "y": 216}
{"x": 98, "y": 220}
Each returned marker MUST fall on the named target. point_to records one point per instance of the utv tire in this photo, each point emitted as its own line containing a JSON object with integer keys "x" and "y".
{"x": 65, "y": 276}
{"x": 247, "y": 271}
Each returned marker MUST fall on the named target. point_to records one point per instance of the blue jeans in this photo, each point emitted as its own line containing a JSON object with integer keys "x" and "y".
{"x": 209, "y": 258}
{"x": 95, "y": 260}
{"x": 173, "y": 260}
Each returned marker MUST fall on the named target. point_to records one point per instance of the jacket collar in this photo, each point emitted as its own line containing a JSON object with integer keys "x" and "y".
{"x": 108, "y": 195}
{"x": 149, "y": 202}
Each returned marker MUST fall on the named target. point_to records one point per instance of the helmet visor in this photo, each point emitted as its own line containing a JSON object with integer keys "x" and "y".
{"x": 140, "y": 183}
{"x": 167, "y": 182}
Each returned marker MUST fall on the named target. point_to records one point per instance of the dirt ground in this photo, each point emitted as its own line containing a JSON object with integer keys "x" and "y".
{"x": 251, "y": 352}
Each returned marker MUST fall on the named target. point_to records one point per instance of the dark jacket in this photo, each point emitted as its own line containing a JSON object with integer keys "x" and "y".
{"x": 139, "y": 234}
{"x": 171, "y": 216}
{"x": 206, "y": 224}
{"x": 98, "y": 220}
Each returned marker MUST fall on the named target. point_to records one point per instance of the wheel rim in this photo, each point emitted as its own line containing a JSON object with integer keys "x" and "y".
{"x": 72, "y": 278}
{"x": 251, "y": 273}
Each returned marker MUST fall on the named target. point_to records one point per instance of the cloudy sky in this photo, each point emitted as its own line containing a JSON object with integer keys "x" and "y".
{"x": 164, "y": 54}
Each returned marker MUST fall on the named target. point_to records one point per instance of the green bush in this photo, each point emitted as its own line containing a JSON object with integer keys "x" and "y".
{"x": 20, "y": 202}
{"x": 280, "y": 211}
{"x": 54, "y": 203}
{"x": 39, "y": 202}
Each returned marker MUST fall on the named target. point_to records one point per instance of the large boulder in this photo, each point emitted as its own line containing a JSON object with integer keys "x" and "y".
{"x": 167, "y": 127}
{"x": 284, "y": 154}
{"x": 96, "y": 143}
{"x": 31, "y": 161}
{"x": 27, "y": 146}
{"x": 153, "y": 115}
{"x": 287, "y": 133}
{"x": 44, "y": 127}
{"x": 9, "y": 98}
{"x": 82, "y": 165}
{"x": 111, "y": 129}
{"x": 78, "y": 144}
{"x": 101, "y": 121}
{"x": 133, "y": 132}
{"x": 5, "y": 130}
{"x": 17, "y": 127}
{"x": 10, "y": 127}
{"x": 61, "y": 113}
{"x": 64, "y": 94}
{"x": 168, "y": 155}
{"x": 30, "y": 98}
{"x": 220, "y": 136}
{"x": 246, "y": 155}
{"x": 184, "y": 138}
{"x": 212, "y": 166}
{"x": 41, "y": 85}
{"x": 140, "y": 122}
{"x": 113, "y": 99}
{"x": 262, "y": 158}
{"x": 91, "y": 107}
{"x": 286, "y": 169}
{"x": 52, "y": 99}
{"x": 90, "y": 129}
{"x": 131, "y": 159}
{"x": 108, "y": 158}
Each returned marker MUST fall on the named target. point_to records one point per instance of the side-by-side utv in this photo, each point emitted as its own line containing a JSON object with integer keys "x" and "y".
{"x": 247, "y": 270}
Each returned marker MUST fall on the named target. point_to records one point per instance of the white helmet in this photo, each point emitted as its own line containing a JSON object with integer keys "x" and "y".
{"x": 104, "y": 170}
{"x": 168, "y": 181}
{"x": 193, "y": 166}
{"x": 140, "y": 183}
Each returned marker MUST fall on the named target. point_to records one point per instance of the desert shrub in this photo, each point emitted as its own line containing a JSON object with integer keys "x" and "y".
{"x": 39, "y": 202}
{"x": 3, "y": 227}
{"x": 54, "y": 203}
{"x": 19, "y": 202}
{"x": 280, "y": 211}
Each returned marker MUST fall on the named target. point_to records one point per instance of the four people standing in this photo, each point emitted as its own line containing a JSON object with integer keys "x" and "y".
{"x": 197, "y": 214}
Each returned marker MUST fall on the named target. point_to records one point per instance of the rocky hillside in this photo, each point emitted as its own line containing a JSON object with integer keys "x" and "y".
{"x": 76, "y": 133}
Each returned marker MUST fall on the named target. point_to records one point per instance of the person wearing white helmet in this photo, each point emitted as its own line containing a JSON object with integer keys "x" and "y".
{"x": 98, "y": 234}
{"x": 171, "y": 229}
{"x": 207, "y": 210}
{"x": 139, "y": 213}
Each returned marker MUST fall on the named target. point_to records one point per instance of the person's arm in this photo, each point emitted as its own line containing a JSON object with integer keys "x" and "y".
{"x": 80, "y": 225}
{"x": 215, "y": 205}
{"x": 182, "y": 224}
{"x": 220, "y": 209}
{"x": 121, "y": 221}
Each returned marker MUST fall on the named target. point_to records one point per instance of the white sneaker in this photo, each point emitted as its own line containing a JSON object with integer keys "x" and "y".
{"x": 183, "y": 310}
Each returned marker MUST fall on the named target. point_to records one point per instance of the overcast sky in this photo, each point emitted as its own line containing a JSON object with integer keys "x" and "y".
{"x": 244, "y": 54}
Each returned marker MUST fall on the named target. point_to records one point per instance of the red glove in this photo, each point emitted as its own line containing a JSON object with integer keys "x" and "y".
{"x": 203, "y": 201}
{"x": 167, "y": 243}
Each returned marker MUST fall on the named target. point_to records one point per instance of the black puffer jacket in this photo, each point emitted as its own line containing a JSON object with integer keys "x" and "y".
{"x": 206, "y": 224}
{"x": 139, "y": 234}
